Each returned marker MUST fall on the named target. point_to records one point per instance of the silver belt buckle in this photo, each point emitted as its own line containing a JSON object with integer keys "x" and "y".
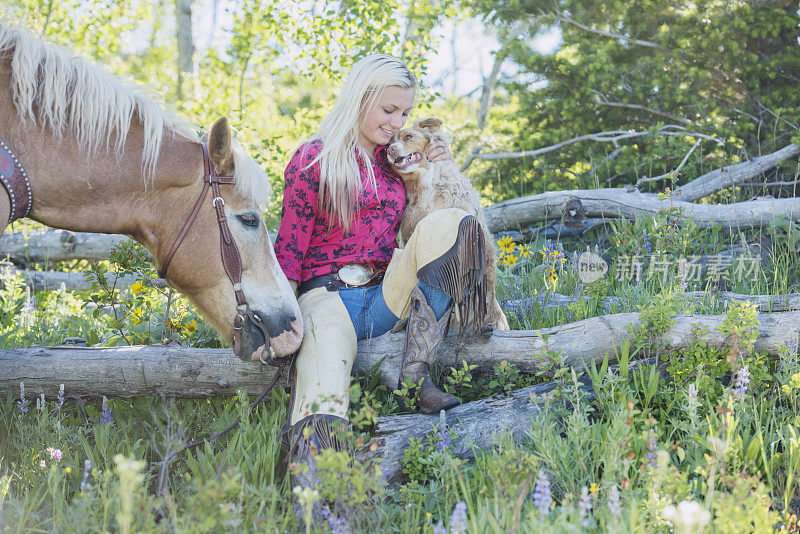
{"x": 355, "y": 274}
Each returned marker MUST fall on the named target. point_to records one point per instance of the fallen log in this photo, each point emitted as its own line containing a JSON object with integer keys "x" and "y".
{"x": 57, "y": 245}
{"x": 732, "y": 175}
{"x": 764, "y": 303}
{"x": 629, "y": 203}
{"x": 60, "y": 245}
{"x": 475, "y": 425}
{"x": 190, "y": 372}
{"x": 71, "y": 281}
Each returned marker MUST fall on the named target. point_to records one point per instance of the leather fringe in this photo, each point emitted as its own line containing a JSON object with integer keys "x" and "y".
{"x": 459, "y": 273}
{"x": 327, "y": 432}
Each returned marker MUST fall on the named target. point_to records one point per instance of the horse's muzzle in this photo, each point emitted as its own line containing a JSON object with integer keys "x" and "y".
{"x": 282, "y": 331}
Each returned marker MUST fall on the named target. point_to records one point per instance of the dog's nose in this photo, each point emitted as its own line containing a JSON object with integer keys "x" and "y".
{"x": 392, "y": 150}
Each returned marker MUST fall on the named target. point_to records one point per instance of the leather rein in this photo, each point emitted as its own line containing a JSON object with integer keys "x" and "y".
{"x": 231, "y": 259}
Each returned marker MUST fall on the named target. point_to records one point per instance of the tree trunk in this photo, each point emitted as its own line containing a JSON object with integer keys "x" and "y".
{"x": 183, "y": 15}
{"x": 190, "y": 372}
{"x": 57, "y": 245}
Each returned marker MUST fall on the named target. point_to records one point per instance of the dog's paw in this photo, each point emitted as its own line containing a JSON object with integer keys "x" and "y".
{"x": 399, "y": 326}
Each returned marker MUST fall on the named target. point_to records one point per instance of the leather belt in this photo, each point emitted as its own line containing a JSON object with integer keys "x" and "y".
{"x": 333, "y": 283}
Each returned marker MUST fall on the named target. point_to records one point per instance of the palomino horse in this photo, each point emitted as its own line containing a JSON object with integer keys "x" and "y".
{"x": 101, "y": 157}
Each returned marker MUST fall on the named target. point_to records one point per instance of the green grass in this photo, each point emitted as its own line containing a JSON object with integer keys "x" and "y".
{"x": 617, "y": 463}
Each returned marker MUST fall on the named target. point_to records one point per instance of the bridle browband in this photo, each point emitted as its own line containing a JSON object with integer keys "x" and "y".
{"x": 15, "y": 181}
{"x": 231, "y": 259}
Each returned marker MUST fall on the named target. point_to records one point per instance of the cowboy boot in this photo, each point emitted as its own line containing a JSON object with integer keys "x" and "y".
{"x": 424, "y": 334}
{"x": 306, "y": 439}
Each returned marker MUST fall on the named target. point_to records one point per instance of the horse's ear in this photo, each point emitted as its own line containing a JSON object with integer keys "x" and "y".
{"x": 431, "y": 124}
{"x": 219, "y": 146}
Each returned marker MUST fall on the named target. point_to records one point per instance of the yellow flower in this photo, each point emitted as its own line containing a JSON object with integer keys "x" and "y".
{"x": 593, "y": 488}
{"x": 525, "y": 251}
{"x": 137, "y": 287}
{"x": 509, "y": 260}
{"x": 136, "y": 316}
{"x": 68, "y": 469}
{"x": 190, "y": 326}
{"x": 507, "y": 244}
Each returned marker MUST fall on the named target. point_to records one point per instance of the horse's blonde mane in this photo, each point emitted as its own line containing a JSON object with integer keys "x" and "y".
{"x": 65, "y": 93}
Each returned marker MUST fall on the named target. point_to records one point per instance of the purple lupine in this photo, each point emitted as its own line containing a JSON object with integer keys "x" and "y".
{"x": 614, "y": 504}
{"x": 646, "y": 243}
{"x": 60, "y": 402}
{"x": 585, "y": 506}
{"x": 443, "y": 443}
{"x": 541, "y": 494}
{"x": 651, "y": 450}
{"x": 439, "y": 528}
{"x": 742, "y": 381}
{"x": 458, "y": 521}
{"x": 87, "y": 469}
{"x": 105, "y": 417}
{"x": 55, "y": 454}
{"x": 22, "y": 403}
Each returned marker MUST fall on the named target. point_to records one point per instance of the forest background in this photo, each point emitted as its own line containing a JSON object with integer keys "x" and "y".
{"x": 714, "y": 80}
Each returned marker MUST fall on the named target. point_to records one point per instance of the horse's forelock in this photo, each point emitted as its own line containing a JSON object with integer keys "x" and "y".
{"x": 251, "y": 180}
{"x": 64, "y": 93}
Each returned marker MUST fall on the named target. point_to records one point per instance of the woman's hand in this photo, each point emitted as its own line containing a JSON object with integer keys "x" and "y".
{"x": 438, "y": 150}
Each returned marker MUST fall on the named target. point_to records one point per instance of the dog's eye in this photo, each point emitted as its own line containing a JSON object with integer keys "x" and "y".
{"x": 406, "y": 137}
{"x": 248, "y": 219}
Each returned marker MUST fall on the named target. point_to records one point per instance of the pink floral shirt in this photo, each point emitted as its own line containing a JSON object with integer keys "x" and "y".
{"x": 308, "y": 245}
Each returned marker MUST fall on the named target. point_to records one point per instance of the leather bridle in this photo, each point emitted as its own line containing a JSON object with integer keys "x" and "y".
{"x": 231, "y": 259}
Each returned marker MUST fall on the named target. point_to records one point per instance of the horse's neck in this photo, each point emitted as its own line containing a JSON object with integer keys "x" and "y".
{"x": 102, "y": 194}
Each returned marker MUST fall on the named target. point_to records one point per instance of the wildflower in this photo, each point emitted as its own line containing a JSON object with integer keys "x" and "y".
{"x": 742, "y": 381}
{"x": 585, "y": 504}
{"x": 55, "y": 454}
{"x": 525, "y": 251}
{"x": 68, "y": 470}
{"x": 338, "y": 524}
{"x": 22, "y": 402}
{"x": 541, "y": 494}
{"x": 26, "y": 314}
{"x": 508, "y": 260}
{"x": 651, "y": 449}
{"x": 458, "y": 521}
{"x": 439, "y": 529}
{"x": 190, "y": 326}
{"x": 443, "y": 443}
{"x": 105, "y": 416}
{"x": 60, "y": 402}
{"x": 593, "y": 488}
{"x": 614, "y": 505}
{"x": 506, "y": 244}
{"x": 42, "y": 465}
{"x": 688, "y": 516}
{"x": 646, "y": 245}
{"x": 137, "y": 287}
{"x": 87, "y": 469}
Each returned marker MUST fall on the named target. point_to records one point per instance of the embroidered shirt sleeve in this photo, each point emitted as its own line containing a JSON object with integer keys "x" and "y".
{"x": 299, "y": 211}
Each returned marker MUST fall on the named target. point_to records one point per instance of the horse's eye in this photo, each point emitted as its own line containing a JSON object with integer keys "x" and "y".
{"x": 248, "y": 219}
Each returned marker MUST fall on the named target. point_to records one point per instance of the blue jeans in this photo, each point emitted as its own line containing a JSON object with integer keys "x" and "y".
{"x": 370, "y": 315}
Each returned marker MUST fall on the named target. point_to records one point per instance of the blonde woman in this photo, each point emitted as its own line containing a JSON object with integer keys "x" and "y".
{"x": 337, "y": 244}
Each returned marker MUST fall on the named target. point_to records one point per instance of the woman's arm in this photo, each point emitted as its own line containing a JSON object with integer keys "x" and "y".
{"x": 298, "y": 214}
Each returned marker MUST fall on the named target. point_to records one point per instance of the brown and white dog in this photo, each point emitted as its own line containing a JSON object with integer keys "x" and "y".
{"x": 431, "y": 186}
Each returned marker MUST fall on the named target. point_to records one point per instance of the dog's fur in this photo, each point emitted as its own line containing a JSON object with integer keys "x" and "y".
{"x": 438, "y": 185}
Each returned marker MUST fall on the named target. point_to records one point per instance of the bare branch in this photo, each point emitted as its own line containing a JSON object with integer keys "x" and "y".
{"x": 675, "y": 173}
{"x": 559, "y": 15}
{"x": 603, "y": 101}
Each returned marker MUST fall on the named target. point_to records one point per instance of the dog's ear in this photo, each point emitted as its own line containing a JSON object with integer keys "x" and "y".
{"x": 429, "y": 124}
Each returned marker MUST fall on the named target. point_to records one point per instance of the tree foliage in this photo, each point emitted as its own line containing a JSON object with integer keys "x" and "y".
{"x": 722, "y": 68}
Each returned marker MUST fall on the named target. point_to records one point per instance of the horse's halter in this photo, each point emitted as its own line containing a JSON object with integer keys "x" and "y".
{"x": 231, "y": 259}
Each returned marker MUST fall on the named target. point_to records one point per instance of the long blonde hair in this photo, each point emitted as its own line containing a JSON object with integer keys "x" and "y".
{"x": 340, "y": 179}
